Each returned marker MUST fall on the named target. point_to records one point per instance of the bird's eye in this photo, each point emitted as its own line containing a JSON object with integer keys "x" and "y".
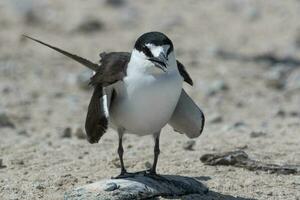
{"x": 147, "y": 52}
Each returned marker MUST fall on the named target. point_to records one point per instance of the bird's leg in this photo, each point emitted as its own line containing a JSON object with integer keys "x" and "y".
{"x": 156, "y": 153}
{"x": 121, "y": 152}
{"x": 124, "y": 173}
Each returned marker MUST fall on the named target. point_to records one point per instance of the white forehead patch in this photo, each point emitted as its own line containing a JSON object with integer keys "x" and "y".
{"x": 156, "y": 50}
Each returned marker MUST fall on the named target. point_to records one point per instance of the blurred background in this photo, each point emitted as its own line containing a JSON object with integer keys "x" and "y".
{"x": 244, "y": 58}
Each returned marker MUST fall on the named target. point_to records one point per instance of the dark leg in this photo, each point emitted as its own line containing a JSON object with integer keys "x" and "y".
{"x": 121, "y": 152}
{"x": 124, "y": 173}
{"x": 156, "y": 153}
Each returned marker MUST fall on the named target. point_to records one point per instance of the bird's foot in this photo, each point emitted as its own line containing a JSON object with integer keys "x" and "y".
{"x": 152, "y": 174}
{"x": 126, "y": 174}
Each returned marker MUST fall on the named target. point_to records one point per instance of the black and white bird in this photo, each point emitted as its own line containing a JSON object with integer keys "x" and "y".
{"x": 139, "y": 93}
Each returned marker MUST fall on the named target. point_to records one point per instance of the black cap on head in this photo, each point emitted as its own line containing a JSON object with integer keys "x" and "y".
{"x": 156, "y": 38}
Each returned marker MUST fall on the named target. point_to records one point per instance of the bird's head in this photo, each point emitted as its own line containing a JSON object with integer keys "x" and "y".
{"x": 153, "y": 51}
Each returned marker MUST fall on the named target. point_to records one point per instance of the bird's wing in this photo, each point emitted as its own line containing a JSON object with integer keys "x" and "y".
{"x": 96, "y": 119}
{"x": 184, "y": 73}
{"x": 187, "y": 117}
{"x": 112, "y": 68}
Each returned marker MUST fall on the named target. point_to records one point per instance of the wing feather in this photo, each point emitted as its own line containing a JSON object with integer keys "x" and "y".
{"x": 184, "y": 73}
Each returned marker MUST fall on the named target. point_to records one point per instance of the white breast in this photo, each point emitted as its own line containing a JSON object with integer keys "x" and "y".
{"x": 144, "y": 104}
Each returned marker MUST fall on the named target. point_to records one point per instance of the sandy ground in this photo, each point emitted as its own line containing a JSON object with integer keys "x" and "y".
{"x": 41, "y": 96}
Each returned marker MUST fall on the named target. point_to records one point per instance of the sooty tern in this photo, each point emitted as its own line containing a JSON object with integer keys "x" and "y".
{"x": 139, "y": 92}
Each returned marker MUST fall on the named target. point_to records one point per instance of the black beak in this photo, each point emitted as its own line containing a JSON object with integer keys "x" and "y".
{"x": 160, "y": 61}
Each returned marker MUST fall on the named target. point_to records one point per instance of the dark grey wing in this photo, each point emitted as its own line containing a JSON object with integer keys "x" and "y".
{"x": 184, "y": 73}
{"x": 187, "y": 118}
{"x": 96, "y": 120}
{"x": 112, "y": 68}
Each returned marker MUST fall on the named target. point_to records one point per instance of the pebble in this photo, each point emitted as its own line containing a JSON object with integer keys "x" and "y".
{"x": 1, "y": 164}
{"x": 111, "y": 187}
{"x": 80, "y": 133}
{"x": 23, "y": 132}
{"x": 115, "y": 3}
{"x": 216, "y": 118}
{"x": 17, "y": 162}
{"x": 5, "y": 121}
{"x": 38, "y": 185}
{"x": 216, "y": 87}
{"x": 276, "y": 77}
{"x": 255, "y": 134}
{"x": 67, "y": 133}
{"x": 90, "y": 26}
{"x": 148, "y": 165}
{"x": 189, "y": 145}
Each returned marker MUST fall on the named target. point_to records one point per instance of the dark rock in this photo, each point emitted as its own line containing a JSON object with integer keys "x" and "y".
{"x": 67, "y": 133}
{"x": 90, "y": 26}
{"x": 255, "y": 134}
{"x": 239, "y": 124}
{"x": 189, "y": 145}
{"x": 1, "y": 164}
{"x": 17, "y": 162}
{"x": 115, "y": 3}
{"x": 23, "y": 132}
{"x": 80, "y": 134}
{"x": 280, "y": 113}
{"x": 5, "y": 121}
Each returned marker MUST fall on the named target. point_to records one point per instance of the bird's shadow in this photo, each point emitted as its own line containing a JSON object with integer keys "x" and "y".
{"x": 193, "y": 187}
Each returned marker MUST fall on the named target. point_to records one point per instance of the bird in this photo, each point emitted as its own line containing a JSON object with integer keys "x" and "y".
{"x": 139, "y": 92}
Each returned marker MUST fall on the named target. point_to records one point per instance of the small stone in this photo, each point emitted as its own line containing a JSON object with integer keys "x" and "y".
{"x": 148, "y": 165}
{"x": 216, "y": 119}
{"x": 238, "y": 124}
{"x": 80, "y": 134}
{"x": 216, "y": 87}
{"x": 1, "y": 164}
{"x": 270, "y": 193}
{"x": 280, "y": 113}
{"x": 23, "y": 132}
{"x": 189, "y": 145}
{"x": 115, "y": 3}
{"x": 5, "y": 121}
{"x": 39, "y": 186}
{"x": 17, "y": 162}
{"x": 275, "y": 78}
{"x": 255, "y": 134}
{"x": 67, "y": 133}
{"x": 294, "y": 114}
{"x": 111, "y": 187}
{"x": 90, "y": 26}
